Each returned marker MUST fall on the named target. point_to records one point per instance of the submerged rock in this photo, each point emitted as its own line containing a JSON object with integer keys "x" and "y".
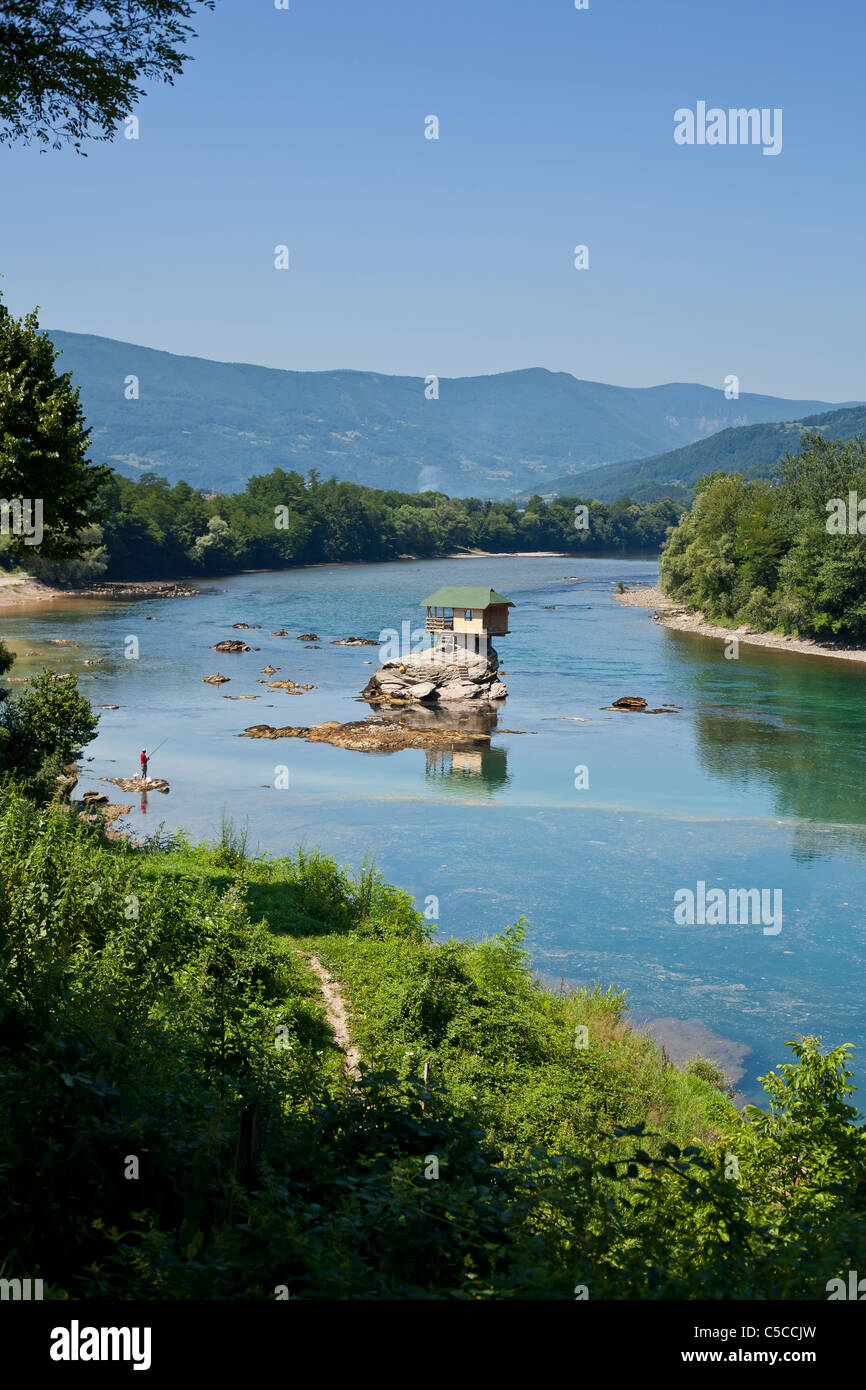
{"x": 308, "y": 637}
{"x": 442, "y": 674}
{"x": 355, "y": 642}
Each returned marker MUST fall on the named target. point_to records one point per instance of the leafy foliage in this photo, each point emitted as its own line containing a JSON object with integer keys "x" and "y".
{"x": 44, "y": 728}
{"x": 765, "y": 555}
{"x": 71, "y": 69}
{"x": 43, "y": 442}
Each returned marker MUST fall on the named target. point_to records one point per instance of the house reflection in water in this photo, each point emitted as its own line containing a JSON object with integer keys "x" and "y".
{"x": 458, "y": 756}
{"x": 473, "y": 769}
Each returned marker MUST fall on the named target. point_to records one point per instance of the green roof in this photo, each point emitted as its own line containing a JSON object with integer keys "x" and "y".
{"x": 455, "y": 597}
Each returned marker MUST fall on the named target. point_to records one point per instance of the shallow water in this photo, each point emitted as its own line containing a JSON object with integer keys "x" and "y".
{"x": 756, "y": 781}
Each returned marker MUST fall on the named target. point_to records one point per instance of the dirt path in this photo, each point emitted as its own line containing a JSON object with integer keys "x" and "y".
{"x": 338, "y": 1018}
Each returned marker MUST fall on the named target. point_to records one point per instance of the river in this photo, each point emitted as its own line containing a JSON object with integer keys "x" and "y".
{"x": 755, "y": 780}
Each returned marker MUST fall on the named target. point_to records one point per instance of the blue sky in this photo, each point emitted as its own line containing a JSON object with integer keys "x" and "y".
{"x": 454, "y": 257}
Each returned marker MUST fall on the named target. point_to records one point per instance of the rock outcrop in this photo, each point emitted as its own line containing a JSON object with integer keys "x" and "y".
{"x": 636, "y": 703}
{"x": 230, "y": 646}
{"x": 139, "y": 784}
{"x": 374, "y": 735}
{"x": 290, "y": 687}
{"x": 440, "y": 675}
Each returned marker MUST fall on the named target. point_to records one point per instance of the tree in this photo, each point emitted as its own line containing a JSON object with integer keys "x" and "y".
{"x": 43, "y": 444}
{"x": 215, "y": 549}
{"x": 70, "y": 69}
{"x": 45, "y": 727}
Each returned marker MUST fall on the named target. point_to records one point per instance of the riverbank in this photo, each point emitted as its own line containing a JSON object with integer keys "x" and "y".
{"x": 679, "y": 619}
{"x": 19, "y": 590}
{"x": 522, "y": 1132}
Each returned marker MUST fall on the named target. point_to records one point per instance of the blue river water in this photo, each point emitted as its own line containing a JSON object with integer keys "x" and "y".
{"x": 754, "y": 780}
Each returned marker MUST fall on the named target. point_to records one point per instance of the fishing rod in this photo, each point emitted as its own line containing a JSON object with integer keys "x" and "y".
{"x": 156, "y": 750}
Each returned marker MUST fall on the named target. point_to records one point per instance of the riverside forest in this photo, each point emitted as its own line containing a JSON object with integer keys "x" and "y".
{"x": 147, "y": 529}
{"x": 785, "y": 554}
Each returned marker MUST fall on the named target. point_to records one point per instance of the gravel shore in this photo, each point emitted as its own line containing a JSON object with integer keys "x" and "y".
{"x": 676, "y": 616}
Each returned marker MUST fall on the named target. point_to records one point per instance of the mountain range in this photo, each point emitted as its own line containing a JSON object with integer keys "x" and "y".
{"x": 753, "y": 450}
{"x": 215, "y": 424}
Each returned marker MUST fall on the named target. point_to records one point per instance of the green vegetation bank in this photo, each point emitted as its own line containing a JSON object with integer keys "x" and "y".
{"x": 778, "y": 555}
{"x": 175, "y": 1121}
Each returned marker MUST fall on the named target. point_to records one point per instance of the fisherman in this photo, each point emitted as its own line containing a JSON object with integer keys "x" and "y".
{"x": 144, "y": 764}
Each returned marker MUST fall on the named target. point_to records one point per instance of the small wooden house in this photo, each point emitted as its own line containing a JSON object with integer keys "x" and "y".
{"x": 469, "y": 615}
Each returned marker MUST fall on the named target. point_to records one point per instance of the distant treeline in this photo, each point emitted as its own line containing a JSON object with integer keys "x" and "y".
{"x": 788, "y": 555}
{"x": 148, "y": 530}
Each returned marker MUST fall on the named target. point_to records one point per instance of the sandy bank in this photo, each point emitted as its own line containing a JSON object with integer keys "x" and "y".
{"x": 676, "y": 616}
{"x": 16, "y": 589}
{"x": 19, "y": 591}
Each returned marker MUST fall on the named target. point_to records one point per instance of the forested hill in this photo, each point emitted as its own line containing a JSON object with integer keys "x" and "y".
{"x": 216, "y": 424}
{"x": 753, "y": 450}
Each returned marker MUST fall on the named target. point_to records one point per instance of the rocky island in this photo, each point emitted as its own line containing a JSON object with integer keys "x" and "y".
{"x": 461, "y": 665}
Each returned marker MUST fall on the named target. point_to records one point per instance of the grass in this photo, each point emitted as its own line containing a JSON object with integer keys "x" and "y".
{"x": 509, "y": 1052}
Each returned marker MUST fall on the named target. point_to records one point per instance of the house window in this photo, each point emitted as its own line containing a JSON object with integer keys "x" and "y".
{"x": 469, "y": 615}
